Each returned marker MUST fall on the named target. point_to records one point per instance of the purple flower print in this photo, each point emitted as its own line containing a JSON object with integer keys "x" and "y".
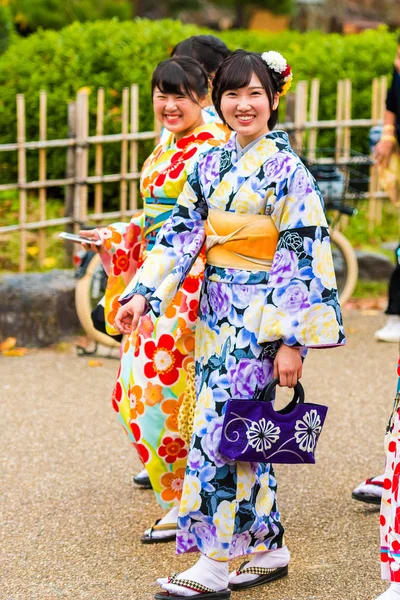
{"x": 284, "y": 267}
{"x": 209, "y": 170}
{"x": 204, "y": 306}
{"x": 259, "y": 529}
{"x": 241, "y": 295}
{"x": 240, "y": 544}
{"x": 278, "y": 168}
{"x": 295, "y": 298}
{"x": 300, "y": 185}
{"x": 185, "y": 542}
{"x": 195, "y": 459}
{"x": 220, "y": 299}
{"x": 246, "y": 375}
{"x": 211, "y": 440}
{"x": 206, "y": 536}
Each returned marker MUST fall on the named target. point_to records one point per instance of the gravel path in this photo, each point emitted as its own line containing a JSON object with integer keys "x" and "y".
{"x": 71, "y": 517}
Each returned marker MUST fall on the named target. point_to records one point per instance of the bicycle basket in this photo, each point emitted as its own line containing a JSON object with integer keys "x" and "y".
{"x": 342, "y": 178}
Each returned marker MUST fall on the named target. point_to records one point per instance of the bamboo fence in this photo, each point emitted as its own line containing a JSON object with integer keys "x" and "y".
{"x": 304, "y": 127}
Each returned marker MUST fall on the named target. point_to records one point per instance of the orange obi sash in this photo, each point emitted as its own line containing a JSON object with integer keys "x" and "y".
{"x": 240, "y": 241}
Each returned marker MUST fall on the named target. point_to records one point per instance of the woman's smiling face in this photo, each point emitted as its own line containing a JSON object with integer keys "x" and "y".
{"x": 247, "y": 110}
{"x": 177, "y": 112}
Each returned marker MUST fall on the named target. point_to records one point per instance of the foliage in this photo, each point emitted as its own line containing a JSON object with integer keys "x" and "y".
{"x": 279, "y": 7}
{"x": 7, "y": 33}
{"x": 114, "y": 54}
{"x": 29, "y": 15}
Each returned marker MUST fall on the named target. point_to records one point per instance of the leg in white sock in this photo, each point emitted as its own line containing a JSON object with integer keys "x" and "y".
{"x": 392, "y": 593}
{"x": 272, "y": 559}
{"x": 171, "y": 518}
{"x": 213, "y": 574}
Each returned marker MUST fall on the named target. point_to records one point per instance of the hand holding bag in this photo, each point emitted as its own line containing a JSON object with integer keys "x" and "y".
{"x": 253, "y": 431}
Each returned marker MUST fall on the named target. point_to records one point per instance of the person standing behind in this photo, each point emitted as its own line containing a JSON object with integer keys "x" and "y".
{"x": 388, "y": 158}
{"x": 154, "y": 362}
{"x": 209, "y": 51}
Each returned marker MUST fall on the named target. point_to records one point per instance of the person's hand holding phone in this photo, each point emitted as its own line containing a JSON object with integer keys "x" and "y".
{"x": 91, "y": 234}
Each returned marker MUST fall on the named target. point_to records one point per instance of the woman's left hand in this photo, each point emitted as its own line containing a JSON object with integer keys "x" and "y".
{"x": 288, "y": 366}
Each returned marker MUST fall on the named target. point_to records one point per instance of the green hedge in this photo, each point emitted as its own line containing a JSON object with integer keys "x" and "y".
{"x": 115, "y": 54}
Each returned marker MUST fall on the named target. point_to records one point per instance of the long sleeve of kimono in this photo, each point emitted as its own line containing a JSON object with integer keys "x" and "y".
{"x": 177, "y": 246}
{"x": 121, "y": 243}
{"x": 302, "y": 306}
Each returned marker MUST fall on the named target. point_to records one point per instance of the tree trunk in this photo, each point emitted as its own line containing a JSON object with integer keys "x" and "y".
{"x": 241, "y": 15}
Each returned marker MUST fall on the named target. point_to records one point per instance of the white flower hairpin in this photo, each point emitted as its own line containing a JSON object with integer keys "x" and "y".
{"x": 278, "y": 63}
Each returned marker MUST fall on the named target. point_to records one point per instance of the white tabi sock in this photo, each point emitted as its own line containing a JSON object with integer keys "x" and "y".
{"x": 170, "y": 517}
{"x": 212, "y": 573}
{"x": 368, "y": 487}
{"x": 392, "y": 593}
{"x": 269, "y": 560}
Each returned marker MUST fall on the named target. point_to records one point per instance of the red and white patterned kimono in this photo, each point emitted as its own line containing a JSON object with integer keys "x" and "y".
{"x": 390, "y": 505}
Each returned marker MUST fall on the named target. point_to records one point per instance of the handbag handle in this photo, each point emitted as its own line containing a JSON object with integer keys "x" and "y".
{"x": 298, "y": 397}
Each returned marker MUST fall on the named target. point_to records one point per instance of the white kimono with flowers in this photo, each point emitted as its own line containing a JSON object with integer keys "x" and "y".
{"x": 229, "y": 509}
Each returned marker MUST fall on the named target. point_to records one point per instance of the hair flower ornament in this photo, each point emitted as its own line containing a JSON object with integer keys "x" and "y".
{"x": 277, "y": 63}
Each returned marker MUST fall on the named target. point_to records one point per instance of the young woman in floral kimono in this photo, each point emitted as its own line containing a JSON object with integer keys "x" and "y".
{"x": 269, "y": 288}
{"x": 150, "y": 386}
{"x": 390, "y": 505}
{"x": 209, "y": 51}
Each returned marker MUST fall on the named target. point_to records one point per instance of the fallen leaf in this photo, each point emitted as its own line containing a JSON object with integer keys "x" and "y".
{"x": 369, "y": 312}
{"x": 63, "y": 347}
{"x": 95, "y": 363}
{"x": 15, "y": 352}
{"x": 8, "y": 344}
{"x": 350, "y": 330}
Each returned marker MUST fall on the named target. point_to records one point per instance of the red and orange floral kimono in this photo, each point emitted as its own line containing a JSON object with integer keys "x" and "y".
{"x": 154, "y": 361}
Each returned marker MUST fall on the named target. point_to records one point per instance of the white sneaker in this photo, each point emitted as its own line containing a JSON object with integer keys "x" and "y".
{"x": 390, "y": 332}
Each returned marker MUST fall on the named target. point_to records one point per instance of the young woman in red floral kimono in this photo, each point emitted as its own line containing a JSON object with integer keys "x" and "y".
{"x": 154, "y": 362}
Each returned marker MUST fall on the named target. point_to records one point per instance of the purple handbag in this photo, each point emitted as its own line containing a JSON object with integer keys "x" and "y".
{"x": 253, "y": 431}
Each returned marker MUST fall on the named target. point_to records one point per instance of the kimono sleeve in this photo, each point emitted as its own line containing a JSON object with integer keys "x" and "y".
{"x": 302, "y": 306}
{"x": 121, "y": 243}
{"x": 177, "y": 246}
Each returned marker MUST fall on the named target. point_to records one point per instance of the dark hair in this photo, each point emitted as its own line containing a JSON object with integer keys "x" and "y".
{"x": 180, "y": 74}
{"x": 236, "y": 72}
{"x": 208, "y": 50}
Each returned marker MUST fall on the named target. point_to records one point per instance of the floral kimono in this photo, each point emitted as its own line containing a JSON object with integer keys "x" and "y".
{"x": 269, "y": 278}
{"x": 390, "y": 504}
{"x": 154, "y": 361}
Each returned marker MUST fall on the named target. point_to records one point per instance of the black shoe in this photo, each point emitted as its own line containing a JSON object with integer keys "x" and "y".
{"x": 143, "y": 481}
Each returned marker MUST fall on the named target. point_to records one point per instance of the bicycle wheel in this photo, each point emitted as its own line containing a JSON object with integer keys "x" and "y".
{"x": 346, "y": 266}
{"x": 88, "y": 292}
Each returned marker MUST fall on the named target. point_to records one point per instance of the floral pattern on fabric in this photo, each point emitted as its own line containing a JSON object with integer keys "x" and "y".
{"x": 229, "y": 509}
{"x": 155, "y": 358}
{"x": 390, "y": 504}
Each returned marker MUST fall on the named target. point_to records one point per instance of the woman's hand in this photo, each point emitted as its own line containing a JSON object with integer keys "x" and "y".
{"x": 128, "y": 315}
{"x": 288, "y": 366}
{"x": 91, "y": 234}
{"x": 383, "y": 151}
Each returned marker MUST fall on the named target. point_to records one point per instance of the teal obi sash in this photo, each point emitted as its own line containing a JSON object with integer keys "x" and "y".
{"x": 156, "y": 212}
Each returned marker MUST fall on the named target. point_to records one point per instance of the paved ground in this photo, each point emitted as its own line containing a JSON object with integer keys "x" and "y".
{"x": 71, "y": 518}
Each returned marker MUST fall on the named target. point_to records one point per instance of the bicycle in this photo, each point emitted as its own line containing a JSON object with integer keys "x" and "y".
{"x": 341, "y": 182}
{"x": 89, "y": 294}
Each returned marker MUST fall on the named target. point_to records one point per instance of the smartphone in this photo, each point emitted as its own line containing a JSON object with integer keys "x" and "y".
{"x": 72, "y": 237}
